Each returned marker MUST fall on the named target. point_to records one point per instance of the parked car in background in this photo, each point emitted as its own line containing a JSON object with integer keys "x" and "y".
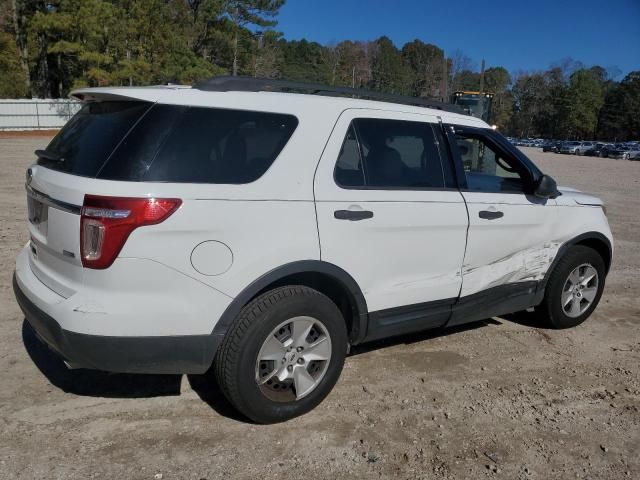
{"x": 597, "y": 150}
{"x": 569, "y": 147}
{"x": 551, "y": 146}
{"x": 606, "y": 150}
{"x": 634, "y": 153}
{"x": 619, "y": 151}
{"x": 583, "y": 147}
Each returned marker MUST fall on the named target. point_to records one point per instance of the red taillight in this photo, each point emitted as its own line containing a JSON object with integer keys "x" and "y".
{"x": 107, "y": 222}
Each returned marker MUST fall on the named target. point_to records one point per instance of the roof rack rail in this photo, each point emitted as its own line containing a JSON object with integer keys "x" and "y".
{"x": 226, "y": 83}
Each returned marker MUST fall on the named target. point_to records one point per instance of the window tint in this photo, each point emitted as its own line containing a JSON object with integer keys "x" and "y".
{"x": 137, "y": 151}
{"x": 87, "y": 140}
{"x": 379, "y": 153}
{"x": 200, "y": 145}
{"x": 349, "y": 167}
{"x": 485, "y": 168}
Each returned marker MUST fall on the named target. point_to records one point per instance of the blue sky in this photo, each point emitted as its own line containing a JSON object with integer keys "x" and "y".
{"x": 519, "y": 35}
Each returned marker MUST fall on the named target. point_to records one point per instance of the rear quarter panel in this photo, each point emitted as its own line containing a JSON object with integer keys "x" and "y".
{"x": 261, "y": 235}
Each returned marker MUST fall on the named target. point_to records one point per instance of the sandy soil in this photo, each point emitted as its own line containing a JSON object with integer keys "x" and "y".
{"x": 496, "y": 399}
{"x": 27, "y": 133}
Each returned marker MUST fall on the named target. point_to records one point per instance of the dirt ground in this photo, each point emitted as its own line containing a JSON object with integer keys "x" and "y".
{"x": 496, "y": 399}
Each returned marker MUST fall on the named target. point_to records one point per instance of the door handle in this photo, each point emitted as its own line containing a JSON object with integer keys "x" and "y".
{"x": 490, "y": 215}
{"x": 352, "y": 215}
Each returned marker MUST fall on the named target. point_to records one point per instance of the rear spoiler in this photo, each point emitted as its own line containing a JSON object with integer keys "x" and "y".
{"x": 146, "y": 94}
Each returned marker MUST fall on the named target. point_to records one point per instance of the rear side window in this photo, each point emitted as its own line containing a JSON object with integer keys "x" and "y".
{"x": 200, "y": 145}
{"x": 379, "y": 153}
{"x": 349, "y": 171}
{"x": 85, "y": 143}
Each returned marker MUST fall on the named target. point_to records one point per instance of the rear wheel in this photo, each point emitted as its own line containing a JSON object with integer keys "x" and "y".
{"x": 283, "y": 354}
{"x": 574, "y": 288}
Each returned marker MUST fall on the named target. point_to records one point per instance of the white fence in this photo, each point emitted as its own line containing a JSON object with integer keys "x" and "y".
{"x": 36, "y": 114}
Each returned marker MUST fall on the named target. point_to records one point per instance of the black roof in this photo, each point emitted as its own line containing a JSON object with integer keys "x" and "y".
{"x": 250, "y": 84}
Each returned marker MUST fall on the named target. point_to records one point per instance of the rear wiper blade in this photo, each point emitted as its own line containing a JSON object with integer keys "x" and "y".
{"x": 54, "y": 157}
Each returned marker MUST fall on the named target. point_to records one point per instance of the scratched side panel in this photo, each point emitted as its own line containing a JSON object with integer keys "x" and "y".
{"x": 530, "y": 264}
{"x": 518, "y": 247}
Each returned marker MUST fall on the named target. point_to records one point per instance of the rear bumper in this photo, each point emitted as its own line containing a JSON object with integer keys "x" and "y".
{"x": 124, "y": 354}
{"x": 166, "y": 354}
{"x": 146, "y": 319}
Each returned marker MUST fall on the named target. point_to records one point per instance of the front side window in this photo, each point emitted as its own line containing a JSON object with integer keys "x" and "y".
{"x": 486, "y": 167}
{"x": 379, "y": 153}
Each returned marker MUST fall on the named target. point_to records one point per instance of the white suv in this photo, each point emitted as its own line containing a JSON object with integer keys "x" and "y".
{"x": 243, "y": 226}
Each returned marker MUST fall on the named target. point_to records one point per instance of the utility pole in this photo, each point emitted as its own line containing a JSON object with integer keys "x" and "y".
{"x": 483, "y": 100}
{"x": 353, "y": 77}
{"x": 445, "y": 79}
{"x": 236, "y": 24}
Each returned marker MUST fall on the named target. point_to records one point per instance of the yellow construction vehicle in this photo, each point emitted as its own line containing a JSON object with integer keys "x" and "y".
{"x": 477, "y": 104}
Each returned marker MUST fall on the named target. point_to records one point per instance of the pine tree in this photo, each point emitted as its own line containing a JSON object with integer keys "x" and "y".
{"x": 249, "y": 12}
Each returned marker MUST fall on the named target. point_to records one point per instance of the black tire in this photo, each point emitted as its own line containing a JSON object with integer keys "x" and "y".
{"x": 551, "y": 307}
{"x": 235, "y": 360}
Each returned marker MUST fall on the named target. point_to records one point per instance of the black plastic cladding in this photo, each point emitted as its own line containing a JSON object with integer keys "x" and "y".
{"x": 250, "y": 84}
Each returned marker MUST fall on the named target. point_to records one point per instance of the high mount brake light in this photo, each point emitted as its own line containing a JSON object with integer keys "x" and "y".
{"x": 107, "y": 222}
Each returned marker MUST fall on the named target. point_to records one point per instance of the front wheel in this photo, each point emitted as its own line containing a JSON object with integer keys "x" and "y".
{"x": 283, "y": 354}
{"x": 574, "y": 288}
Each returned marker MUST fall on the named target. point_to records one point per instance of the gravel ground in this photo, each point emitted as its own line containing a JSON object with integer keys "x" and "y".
{"x": 496, "y": 399}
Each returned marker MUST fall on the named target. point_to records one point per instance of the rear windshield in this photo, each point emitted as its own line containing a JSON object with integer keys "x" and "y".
{"x": 171, "y": 143}
{"x": 86, "y": 141}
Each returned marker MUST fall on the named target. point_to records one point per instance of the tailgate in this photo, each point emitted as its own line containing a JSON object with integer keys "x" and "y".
{"x": 54, "y": 227}
{"x": 56, "y": 186}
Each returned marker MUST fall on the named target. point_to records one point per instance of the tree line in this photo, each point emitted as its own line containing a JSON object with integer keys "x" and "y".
{"x": 49, "y": 47}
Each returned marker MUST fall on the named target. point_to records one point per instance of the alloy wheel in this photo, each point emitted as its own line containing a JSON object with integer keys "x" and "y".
{"x": 293, "y": 359}
{"x": 580, "y": 290}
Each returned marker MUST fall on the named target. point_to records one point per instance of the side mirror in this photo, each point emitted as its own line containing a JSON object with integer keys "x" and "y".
{"x": 546, "y": 187}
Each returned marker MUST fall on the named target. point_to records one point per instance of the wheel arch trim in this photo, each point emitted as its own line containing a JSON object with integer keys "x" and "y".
{"x": 302, "y": 266}
{"x": 580, "y": 239}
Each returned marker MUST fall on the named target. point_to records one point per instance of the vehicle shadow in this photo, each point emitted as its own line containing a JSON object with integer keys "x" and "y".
{"x": 526, "y": 319}
{"x": 419, "y": 336}
{"x": 95, "y": 383}
{"x": 206, "y": 387}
